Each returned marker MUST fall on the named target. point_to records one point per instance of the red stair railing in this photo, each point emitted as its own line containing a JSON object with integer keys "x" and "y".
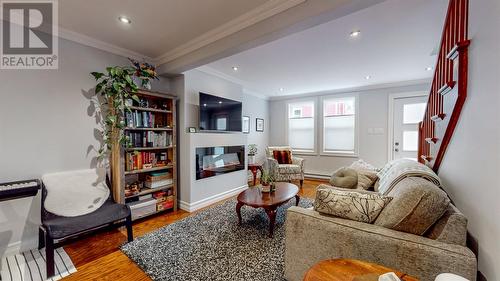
{"x": 449, "y": 87}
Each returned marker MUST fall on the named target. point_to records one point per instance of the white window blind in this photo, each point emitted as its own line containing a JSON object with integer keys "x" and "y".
{"x": 339, "y": 125}
{"x": 301, "y": 126}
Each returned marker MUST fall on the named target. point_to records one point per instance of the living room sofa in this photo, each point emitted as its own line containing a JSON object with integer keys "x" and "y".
{"x": 312, "y": 236}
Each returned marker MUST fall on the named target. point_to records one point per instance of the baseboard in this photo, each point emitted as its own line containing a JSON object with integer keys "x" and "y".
{"x": 19, "y": 246}
{"x": 317, "y": 176}
{"x": 191, "y": 207}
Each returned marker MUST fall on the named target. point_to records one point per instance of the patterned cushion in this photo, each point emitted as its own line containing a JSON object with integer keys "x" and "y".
{"x": 362, "y": 165}
{"x": 366, "y": 179}
{"x": 417, "y": 204}
{"x": 344, "y": 178}
{"x": 283, "y": 156}
{"x": 350, "y": 204}
{"x": 289, "y": 169}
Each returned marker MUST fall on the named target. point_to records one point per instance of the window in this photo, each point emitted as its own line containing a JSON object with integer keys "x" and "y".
{"x": 301, "y": 131}
{"x": 339, "y": 125}
{"x": 413, "y": 113}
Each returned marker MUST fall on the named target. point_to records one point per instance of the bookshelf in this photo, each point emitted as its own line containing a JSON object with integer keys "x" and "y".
{"x": 148, "y": 162}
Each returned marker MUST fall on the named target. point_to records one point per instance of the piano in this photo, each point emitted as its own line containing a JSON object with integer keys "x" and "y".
{"x": 19, "y": 189}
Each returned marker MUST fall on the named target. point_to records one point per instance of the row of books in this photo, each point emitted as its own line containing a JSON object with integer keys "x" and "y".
{"x": 148, "y": 139}
{"x": 145, "y": 160}
{"x": 138, "y": 119}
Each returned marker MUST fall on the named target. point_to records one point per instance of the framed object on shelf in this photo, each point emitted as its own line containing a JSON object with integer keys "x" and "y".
{"x": 245, "y": 128}
{"x": 259, "y": 124}
{"x": 191, "y": 130}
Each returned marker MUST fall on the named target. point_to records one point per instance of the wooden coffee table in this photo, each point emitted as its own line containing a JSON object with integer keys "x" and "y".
{"x": 270, "y": 201}
{"x": 349, "y": 270}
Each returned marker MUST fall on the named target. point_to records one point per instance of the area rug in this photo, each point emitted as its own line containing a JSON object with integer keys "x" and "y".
{"x": 211, "y": 246}
{"x": 31, "y": 266}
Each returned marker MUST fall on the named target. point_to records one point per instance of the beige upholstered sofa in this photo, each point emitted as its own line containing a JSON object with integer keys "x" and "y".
{"x": 312, "y": 237}
{"x": 285, "y": 172}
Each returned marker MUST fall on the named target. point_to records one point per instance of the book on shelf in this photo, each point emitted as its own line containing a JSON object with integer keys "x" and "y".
{"x": 140, "y": 119}
{"x": 145, "y": 160}
{"x": 157, "y": 184}
{"x": 148, "y": 139}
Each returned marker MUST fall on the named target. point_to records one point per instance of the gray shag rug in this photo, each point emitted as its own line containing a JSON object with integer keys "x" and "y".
{"x": 211, "y": 246}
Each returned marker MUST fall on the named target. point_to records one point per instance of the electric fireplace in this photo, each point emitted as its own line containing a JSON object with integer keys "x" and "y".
{"x": 217, "y": 160}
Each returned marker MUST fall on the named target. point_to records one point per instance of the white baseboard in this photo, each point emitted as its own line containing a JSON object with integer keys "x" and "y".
{"x": 191, "y": 207}
{"x": 317, "y": 176}
{"x": 19, "y": 246}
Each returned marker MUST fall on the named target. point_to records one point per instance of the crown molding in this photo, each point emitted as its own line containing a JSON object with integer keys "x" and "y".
{"x": 375, "y": 87}
{"x": 260, "y": 13}
{"x": 212, "y": 71}
{"x": 101, "y": 45}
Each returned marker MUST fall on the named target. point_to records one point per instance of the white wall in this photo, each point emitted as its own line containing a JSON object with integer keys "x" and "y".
{"x": 45, "y": 127}
{"x": 471, "y": 164}
{"x": 373, "y": 113}
{"x": 197, "y": 193}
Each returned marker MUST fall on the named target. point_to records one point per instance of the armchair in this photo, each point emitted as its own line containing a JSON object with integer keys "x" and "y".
{"x": 285, "y": 172}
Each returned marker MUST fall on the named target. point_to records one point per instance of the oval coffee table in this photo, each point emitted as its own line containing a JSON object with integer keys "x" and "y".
{"x": 349, "y": 270}
{"x": 270, "y": 201}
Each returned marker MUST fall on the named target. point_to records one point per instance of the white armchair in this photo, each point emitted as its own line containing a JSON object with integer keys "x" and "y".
{"x": 285, "y": 172}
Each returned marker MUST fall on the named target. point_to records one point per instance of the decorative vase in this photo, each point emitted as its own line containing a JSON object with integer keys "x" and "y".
{"x": 266, "y": 188}
{"x": 251, "y": 159}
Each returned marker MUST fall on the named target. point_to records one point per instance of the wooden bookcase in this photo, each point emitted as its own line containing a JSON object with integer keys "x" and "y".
{"x": 150, "y": 153}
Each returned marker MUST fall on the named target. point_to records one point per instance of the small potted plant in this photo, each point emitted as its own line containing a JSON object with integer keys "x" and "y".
{"x": 252, "y": 151}
{"x": 266, "y": 180}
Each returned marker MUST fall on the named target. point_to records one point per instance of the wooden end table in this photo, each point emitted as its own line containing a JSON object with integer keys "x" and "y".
{"x": 349, "y": 270}
{"x": 254, "y": 168}
{"x": 270, "y": 201}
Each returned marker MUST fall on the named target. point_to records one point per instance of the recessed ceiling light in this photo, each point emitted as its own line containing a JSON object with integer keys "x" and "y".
{"x": 355, "y": 33}
{"x": 368, "y": 77}
{"x": 220, "y": 102}
{"x": 428, "y": 68}
{"x": 124, "y": 20}
{"x": 204, "y": 104}
{"x": 282, "y": 89}
{"x": 235, "y": 68}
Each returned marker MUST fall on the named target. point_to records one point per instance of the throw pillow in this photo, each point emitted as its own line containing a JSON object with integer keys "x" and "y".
{"x": 417, "y": 204}
{"x": 366, "y": 179}
{"x": 282, "y": 156}
{"x": 362, "y": 165}
{"x": 350, "y": 204}
{"x": 345, "y": 178}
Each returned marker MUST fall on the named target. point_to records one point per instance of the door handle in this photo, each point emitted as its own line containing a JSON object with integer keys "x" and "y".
{"x": 396, "y": 149}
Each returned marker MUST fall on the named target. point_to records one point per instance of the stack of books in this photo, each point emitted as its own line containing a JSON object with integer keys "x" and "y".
{"x": 155, "y": 180}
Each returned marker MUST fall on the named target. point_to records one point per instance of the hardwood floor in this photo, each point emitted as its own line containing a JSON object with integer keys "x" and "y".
{"x": 98, "y": 257}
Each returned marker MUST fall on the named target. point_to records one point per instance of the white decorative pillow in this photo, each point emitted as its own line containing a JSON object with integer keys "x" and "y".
{"x": 362, "y": 165}
{"x": 350, "y": 204}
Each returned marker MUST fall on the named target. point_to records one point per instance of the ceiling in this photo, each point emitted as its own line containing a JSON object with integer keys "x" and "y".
{"x": 396, "y": 42}
{"x": 158, "y": 26}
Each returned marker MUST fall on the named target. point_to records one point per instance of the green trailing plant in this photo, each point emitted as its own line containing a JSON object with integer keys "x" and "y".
{"x": 116, "y": 86}
{"x": 252, "y": 149}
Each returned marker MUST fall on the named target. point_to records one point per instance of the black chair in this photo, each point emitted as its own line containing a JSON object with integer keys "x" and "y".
{"x": 56, "y": 231}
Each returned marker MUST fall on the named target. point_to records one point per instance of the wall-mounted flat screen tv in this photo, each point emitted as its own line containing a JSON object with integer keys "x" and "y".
{"x": 219, "y": 114}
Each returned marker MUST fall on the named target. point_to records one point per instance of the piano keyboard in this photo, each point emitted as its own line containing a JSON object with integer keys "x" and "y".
{"x": 18, "y": 189}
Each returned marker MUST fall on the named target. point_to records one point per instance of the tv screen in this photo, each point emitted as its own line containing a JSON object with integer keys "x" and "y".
{"x": 219, "y": 114}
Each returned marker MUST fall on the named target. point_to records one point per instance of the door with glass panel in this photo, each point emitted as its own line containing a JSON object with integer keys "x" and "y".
{"x": 408, "y": 112}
